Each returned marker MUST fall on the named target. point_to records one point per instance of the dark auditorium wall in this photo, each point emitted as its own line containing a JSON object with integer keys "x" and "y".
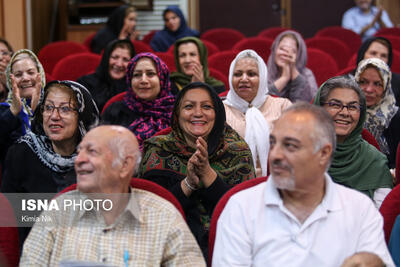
{"x": 252, "y": 16}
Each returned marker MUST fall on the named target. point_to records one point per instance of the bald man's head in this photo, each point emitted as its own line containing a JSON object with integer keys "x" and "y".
{"x": 108, "y": 155}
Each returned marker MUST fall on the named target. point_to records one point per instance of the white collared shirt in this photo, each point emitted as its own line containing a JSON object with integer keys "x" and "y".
{"x": 256, "y": 229}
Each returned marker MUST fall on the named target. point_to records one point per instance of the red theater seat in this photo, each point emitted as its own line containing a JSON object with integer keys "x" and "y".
{"x": 74, "y": 66}
{"x": 350, "y": 38}
{"x": 322, "y": 65}
{"x": 223, "y": 38}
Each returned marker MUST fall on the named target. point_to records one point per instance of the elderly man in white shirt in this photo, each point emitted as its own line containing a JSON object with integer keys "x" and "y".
{"x": 299, "y": 217}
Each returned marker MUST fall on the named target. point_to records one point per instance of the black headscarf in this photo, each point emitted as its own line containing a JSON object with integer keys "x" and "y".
{"x": 40, "y": 144}
{"x": 100, "y": 84}
{"x": 215, "y": 135}
{"x": 367, "y": 43}
{"x": 111, "y": 31}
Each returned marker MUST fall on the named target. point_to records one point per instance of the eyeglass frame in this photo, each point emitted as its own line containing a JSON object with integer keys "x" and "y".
{"x": 342, "y": 106}
{"x": 61, "y": 114}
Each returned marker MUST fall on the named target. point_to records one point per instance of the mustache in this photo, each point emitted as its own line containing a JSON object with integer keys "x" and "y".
{"x": 280, "y": 164}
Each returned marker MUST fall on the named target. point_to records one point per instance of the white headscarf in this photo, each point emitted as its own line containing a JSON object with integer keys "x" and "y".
{"x": 257, "y": 129}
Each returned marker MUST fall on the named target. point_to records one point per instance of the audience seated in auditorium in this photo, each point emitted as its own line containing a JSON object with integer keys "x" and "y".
{"x": 141, "y": 228}
{"x": 109, "y": 79}
{"x": 381, "y": 48}
{"x": 175, "y": 28}
{"x": 249, "y": 109}
{"x": 25, "y": 78}
{"x": 383, "y": 116}
{"x": 287, "y": 73}
{"x": 356, "y": 163}
{"x": 42, "y": 161}
{"x": 6, "y": 52}
{"x": 200, "y": 159}
{"x": 365, "y": 19}
{"x": 192, "y": 66}
{"x": 299, "y": 216}
{"x": 120, "y": 25}
{"x": 148, "y": 103}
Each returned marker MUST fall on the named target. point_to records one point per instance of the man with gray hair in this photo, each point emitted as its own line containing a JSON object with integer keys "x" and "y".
{"x": 137, "y": 228}
{"x": 299, "y": 217}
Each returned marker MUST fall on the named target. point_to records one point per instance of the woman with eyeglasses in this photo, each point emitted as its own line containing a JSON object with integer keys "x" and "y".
{"x": 356, "y": 163}
{"x": 42, "y": 161}
{"x": 383, "y": 116}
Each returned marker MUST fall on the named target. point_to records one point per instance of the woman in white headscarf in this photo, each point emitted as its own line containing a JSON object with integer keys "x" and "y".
{"x": 249, "y": 109}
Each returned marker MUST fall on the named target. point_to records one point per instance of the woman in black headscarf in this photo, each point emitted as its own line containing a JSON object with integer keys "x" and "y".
{"x": 42, "y": 161}
{"x": 120, "y": 25}
{"x": 64, "y": 115}
{"x": 109, "y": 78}
{"x": 380, "y": 47}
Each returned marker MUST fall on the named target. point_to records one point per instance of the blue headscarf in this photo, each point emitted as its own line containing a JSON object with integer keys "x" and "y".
{"x": 163, "y": 39}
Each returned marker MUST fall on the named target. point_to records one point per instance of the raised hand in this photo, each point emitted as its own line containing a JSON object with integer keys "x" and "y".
{"x": 202, "y": 166}
{"x": 16, "y": 103}
{"x": 36, "y": 94}
{"x": 198, "y": 75}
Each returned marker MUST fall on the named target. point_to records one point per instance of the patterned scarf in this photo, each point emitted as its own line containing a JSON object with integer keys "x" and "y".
{"x": 26, "y": 114}
{"x": 380, "y": 115}
{"x": 229, "y": 155}
{"x": 153, "y": 115}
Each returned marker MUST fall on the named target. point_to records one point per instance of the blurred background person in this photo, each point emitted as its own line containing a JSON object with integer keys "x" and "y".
{"x": 288, "y": 75}
{"x": 365, "y": 19}
{"x": 6, "y": 52}
{"x": 148, "y": 103}
{"x": 175, "y": 28}
{"x": 121, "y": 24}
{"x": 192, "y": 65}
{"x": 383, "y": 116}
{"x": 109, "y": 79}
{"x": 249, "y": 109}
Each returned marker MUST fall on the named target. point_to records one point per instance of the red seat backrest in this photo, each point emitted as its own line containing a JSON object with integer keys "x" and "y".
{"x": 220, "y": 207}
{"x": 261, "y": 45}
{"x": 398, "y": 165}
{"x": 88, "y": 41}
{"x": 147, "y": 38}
{"x": 9, "y": 239}
{"x": 322, "y": 65}
{"x": 272, "y": 32}
{"x": 350, "y": 38}
{"x": 334, "y": 47}
{"x": 221, "y": 61}
{"x": 389, "y": 209}
{"x": 74, "y": 66}
{"x": 345, "y": 70}
{"x": 113, "y": 99}
{"x": 388, "y": 31}
{"x": 50, "y": 54}
{"x": 367, "y": 136}
{"x": 394, "y": 40}
{"x": 168, "y": 59}
{"x": 141, "y": 47}
{"x": 223, "y": 38}
{"x": 219, "y": 76}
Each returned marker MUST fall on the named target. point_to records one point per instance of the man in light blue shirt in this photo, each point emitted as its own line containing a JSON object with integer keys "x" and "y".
{"x": 365, "y": 19}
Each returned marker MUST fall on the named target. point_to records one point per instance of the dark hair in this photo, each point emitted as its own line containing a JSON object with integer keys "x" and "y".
{"x": 220, "y": 118}
{"x": 342, "y": 82}
{"x": 367, "y": 43}
{"x": 4, "y": 41}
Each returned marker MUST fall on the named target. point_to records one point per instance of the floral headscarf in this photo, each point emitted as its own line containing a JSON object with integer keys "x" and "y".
{"x": 153, "y": 115}
{"x": 379, "y": 115}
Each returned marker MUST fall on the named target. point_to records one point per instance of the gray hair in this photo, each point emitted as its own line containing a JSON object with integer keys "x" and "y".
{"x": 122, "y": 148}
{"x": 345, "y": 81}
{"x": 324, "y": 132}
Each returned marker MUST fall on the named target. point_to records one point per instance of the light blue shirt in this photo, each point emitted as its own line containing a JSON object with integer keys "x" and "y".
{"x": 354, "y": 19}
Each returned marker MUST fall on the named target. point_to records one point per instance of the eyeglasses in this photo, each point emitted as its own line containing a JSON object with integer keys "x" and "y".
{"x": 63, "y": 111}
{"x": 338, "y": 106}
{"x": 5, "y": 53}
